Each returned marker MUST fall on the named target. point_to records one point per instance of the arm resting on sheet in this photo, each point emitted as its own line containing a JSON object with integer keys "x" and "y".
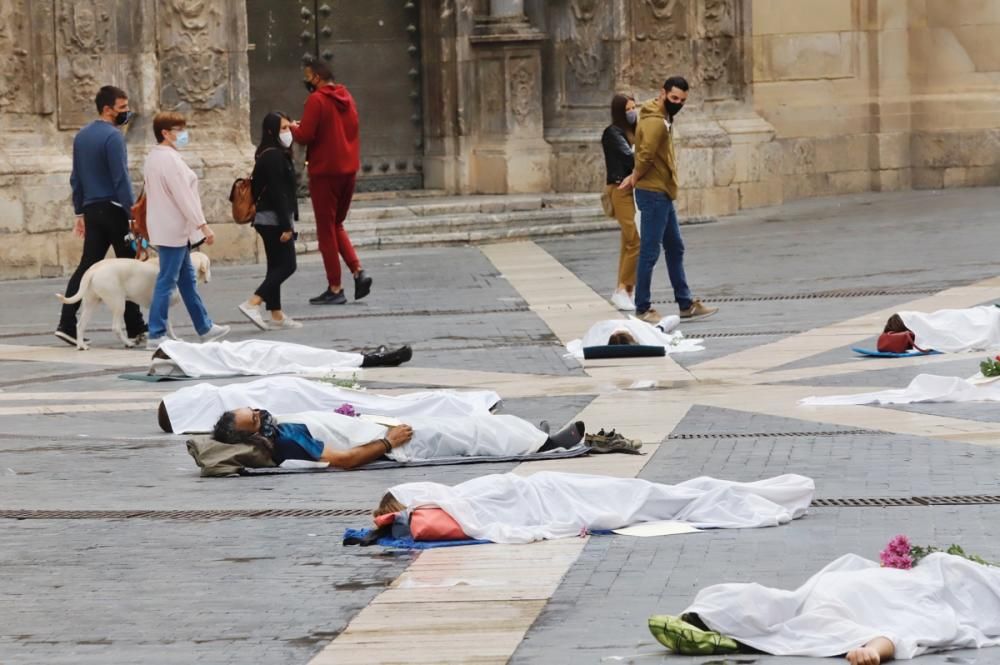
{"x": 879, "y": 650}
{"x": 368, "y": 452}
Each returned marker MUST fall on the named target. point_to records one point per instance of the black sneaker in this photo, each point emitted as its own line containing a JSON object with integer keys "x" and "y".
{"x": 383, "y": 357}
{"x": 362, "y": 285}
{"x": 328, "y": 297}
{"x": 68, "y": 337}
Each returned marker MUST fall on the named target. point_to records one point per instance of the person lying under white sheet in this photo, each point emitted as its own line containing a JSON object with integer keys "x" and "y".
{"x": 347, "y": 442}
{"x": 197, "y": 408}
{"x": 923, "y": 388}
{"x": 853, "y": 606}
{"x": 508, "y": 508}
{"x": 633, "y": 331}
{"x": 257, "y": 357}
{"x": 951, "y": 330}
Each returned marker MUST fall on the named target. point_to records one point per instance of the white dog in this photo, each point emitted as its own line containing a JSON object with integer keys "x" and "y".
{"x": 115, "y": 281}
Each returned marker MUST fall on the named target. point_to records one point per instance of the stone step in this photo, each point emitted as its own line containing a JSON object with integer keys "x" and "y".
{"x": 308, "y": 245}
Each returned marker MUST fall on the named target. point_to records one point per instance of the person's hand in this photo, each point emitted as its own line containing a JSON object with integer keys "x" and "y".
{"x": 286, "y": 236}
{"x": 864, "y": 656}
{"x": 399, "y": 435}
{"x": 209, "y": 234}
{"x": 626, "y": 183}
{"x": 78, "y": 228}
{"x": 294, "y": 124}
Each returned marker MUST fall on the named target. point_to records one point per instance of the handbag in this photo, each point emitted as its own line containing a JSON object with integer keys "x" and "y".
{"x": 138, "y": 232}
{"x": 606, "y": 204}
{"x": 897, "y": 342}
{"x": 243, "y": 201}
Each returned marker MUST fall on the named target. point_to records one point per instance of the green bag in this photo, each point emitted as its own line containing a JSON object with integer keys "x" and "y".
{"x": 218, "y": 459}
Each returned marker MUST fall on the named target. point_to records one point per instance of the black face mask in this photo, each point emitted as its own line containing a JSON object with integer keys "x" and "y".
{"x": 310, "y": 86}
{"x": 673, "y": 108}
{"x": 268, "y": 425}
{"x": 123, "y": 118}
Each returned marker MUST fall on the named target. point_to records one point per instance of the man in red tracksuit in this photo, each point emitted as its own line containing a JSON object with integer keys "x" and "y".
{"x": 329, "y": 130}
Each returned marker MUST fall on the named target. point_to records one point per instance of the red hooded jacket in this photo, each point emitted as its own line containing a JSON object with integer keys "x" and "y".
{"x": 329, "y": 130}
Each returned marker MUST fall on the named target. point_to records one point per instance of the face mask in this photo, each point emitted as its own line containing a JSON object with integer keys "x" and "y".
{"x": 286, "y": 138}
{"x": 673, "y": 108}
{"x": 123, "y": 118}
{"x": 309, "y": 86}
{"x": 182, "y": 139}
{"x": 268, "y": 425}
{"x": 631, "y": 116}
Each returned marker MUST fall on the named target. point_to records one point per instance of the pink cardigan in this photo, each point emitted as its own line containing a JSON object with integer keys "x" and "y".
{"x": 173, "y": 207}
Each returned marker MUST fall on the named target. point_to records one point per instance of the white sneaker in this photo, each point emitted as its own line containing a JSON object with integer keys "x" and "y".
{"x": 153, "y": 343}
{"x": 215, "y": 332}
{"x": 252, "y": 312}
{"x": 286, "y": 323}
{"x": 622, "y": 301}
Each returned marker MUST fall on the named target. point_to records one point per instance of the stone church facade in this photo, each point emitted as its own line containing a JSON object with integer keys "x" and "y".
{"x": 789, "y": 99}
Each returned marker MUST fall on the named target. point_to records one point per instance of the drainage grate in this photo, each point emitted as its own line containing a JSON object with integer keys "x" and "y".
{"x": 819, "y": 295}
{"x": 179, "y": 514}
{"x": 756, "y": 333}
{"x": 761, "y": 435}
{"x": 889, "y": 502}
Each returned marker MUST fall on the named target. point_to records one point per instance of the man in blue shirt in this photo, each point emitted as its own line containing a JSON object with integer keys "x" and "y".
{"x": 102, "y": 201}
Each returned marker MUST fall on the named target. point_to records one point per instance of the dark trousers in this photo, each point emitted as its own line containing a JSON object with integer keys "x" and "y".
{"x": 280, "y": 265}
{"x": 105, "y": 225}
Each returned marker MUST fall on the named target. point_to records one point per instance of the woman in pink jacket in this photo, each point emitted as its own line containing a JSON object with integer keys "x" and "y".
{"x": 174, "y": 219}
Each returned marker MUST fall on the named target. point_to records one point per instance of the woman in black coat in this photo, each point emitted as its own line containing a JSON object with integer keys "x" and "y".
{"x": 277, "y": 212}
{"x": 619, "y": 159}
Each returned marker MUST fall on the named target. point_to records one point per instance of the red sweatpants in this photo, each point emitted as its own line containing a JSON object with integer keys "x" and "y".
{"x": 331, "y": 199}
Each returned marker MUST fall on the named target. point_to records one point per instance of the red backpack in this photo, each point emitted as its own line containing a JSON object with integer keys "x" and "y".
{"x": 897, "y": 342}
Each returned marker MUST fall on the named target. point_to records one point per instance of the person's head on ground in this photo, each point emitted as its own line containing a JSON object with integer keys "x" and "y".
{"x": 170, "y": 128}
{"x": 674, "y": 95}
{"x": 164, "y": 419}
{"x": 275, "y": 132}
{"x": 388, "y": 505}
{"x": 112, "y": 105}
{"x": 895, "y": 324}
{"x": 624, "y": 114}
{"x": 316, "y": 74}
{"x": 621, "y": 338}
{"x": 246, "y": 425}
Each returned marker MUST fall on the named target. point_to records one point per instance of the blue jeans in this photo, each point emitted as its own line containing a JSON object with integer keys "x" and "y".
{"x": 658, "y": 225}
{"x": 176, "y": 271}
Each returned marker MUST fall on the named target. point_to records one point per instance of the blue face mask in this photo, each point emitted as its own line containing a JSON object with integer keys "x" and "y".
{"x": 631, "y": 116}
{"x": 182, "y": 139}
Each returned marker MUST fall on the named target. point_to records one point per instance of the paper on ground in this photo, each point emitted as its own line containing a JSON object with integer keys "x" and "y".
{"x": 660, "y": 528}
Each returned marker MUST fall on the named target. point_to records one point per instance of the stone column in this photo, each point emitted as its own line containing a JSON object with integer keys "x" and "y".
{"x": 511, "y": 154}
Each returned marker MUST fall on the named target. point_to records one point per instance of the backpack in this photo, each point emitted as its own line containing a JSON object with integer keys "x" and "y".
{"x": 896, "y": 342}
{"x": 139, "y": 234}
{"x": 226, "y": 459}
{"x": 242, "y": 198}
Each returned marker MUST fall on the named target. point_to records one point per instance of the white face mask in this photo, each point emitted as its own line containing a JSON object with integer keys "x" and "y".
{"x": 286, "y": 138}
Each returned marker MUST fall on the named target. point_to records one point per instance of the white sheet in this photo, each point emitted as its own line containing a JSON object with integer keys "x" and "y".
{"x": 662, "y": 334}
{"x": 945, "y": 602}
{"x": 196, "y": 408}
{"x": 956, "y": 330}
{"x": 256, "y": 357}
{"x": 923, "y": 388}
{"x": 471, "y": 435}
{"x": 507, "y": 508}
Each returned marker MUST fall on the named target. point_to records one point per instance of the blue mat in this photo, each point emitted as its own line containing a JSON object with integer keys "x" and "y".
{"x": 409, "y": 543}
{"x": 872, "y": 353}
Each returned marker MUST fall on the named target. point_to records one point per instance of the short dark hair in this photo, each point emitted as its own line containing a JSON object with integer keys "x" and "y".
{"x": 108, "y": 96}
{"x": 678, "y": 82}
{"x": 319, "y": 69}
{"x": 167, "y": 120}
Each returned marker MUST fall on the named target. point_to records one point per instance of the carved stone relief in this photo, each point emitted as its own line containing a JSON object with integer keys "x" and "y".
{"x": 583, "y": 45}
{"x": 193, "y": 62}
{"x": 85, "y": 25}
{"x": 87, "y": 57}
{"x": 523, "y": 91}
{"x": 14, "y": 86}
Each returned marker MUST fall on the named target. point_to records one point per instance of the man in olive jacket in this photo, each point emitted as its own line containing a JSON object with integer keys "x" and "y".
{"x": 655, "y": 183}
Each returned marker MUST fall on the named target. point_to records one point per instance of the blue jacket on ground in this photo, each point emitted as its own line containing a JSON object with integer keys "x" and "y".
{"x": 100, "y": 168}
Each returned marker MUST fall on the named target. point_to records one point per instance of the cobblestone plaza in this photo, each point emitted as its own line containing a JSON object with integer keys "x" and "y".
{"x": 100, "y": 568}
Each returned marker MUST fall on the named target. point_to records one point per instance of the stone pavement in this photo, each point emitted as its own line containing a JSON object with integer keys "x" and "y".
{"x": 798, "y": 285}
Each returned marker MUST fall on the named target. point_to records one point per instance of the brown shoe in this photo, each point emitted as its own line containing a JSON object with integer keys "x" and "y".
{"x": 650, "y": 316}
{"x": 698, "y": 310}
